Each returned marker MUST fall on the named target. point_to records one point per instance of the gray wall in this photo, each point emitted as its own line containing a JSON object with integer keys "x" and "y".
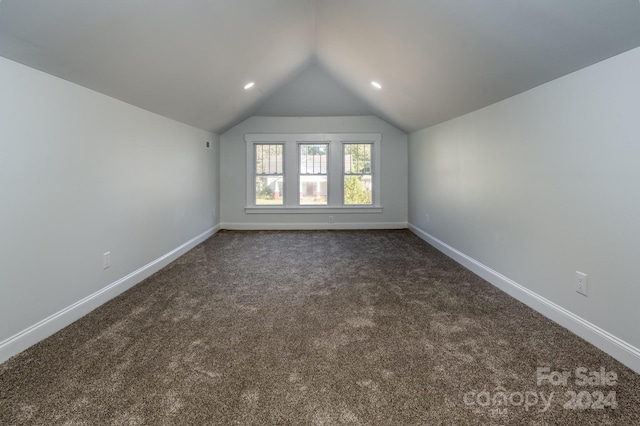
{"x": 544, "y": 184}
{"x": 81, "y": 174}
{"x": 313, "y": 93}
{"x": 393, "y": 174}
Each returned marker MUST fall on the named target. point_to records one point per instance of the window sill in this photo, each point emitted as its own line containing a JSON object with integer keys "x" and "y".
{"x": 312, "y": 210}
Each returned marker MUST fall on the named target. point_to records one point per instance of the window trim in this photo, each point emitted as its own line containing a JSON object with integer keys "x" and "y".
{"x": 372, "y": 171}
{"x": 335, "y": 168}
{"x": 254, "y": 166}
{"x": 299, "y": 145}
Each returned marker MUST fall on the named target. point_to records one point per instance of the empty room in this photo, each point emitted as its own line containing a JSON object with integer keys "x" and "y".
{"x": 319, "y": 212}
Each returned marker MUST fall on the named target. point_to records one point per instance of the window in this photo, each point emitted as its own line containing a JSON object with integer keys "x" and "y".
{"x": 269, "y": 176}
{"x": 357, "y": 174}
{"x": 336, "y": 173}
{"x": 313, "y": 173}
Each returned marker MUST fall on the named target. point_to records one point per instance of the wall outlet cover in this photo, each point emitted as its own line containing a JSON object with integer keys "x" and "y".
{"x": 581, "y": 283}
{"x": 106, "y": 260}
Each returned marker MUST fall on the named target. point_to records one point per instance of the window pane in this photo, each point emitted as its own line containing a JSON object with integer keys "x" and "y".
{"x": 313, "y": 190}
{"x": 357, "y": 190}
{"x": 269, "y": 190}
{"x": 313, "y": 173}
{"x": 313, "y": 159}
{"x": 357, "y": 158}
{"x": 269, "y": 176}
{"x": 268, "y": 159}
{"x": 357, "y": 174}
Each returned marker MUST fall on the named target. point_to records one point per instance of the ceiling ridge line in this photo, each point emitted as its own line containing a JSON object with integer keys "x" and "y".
{"x": 314, "y": 5}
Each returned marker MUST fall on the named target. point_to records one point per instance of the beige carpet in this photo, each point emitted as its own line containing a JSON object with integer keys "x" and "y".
{"x": 314, "y": 328}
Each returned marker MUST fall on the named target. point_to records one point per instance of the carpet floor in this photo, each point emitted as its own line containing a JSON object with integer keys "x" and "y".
{"x": 316, "y": 328}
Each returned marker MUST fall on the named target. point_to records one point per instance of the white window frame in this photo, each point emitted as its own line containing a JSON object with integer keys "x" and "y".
{"x": 255, "y": 171}
{"x": 371, "y": 171}
{"x": 335, "y": 164}
{"x": 328, "y": 170}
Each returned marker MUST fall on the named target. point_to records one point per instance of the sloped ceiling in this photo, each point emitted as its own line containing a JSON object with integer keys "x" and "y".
{"x": 436, "y": 59}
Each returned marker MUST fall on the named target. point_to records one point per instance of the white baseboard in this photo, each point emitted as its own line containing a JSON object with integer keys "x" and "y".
{"x": 624, "y": 352}
{"x": 311, "y": 226}
{"x": 56, "y": 322}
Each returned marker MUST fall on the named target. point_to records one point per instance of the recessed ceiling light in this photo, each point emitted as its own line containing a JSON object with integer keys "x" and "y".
{"x": 249, "y": 85}
{"x": 376, "y": 85}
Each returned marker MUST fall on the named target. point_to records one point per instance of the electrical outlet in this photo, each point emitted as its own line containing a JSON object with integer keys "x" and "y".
{"x": 426, "y": 216}
{"x": 330, "y": 219}
{"x": 581, "y": 283}
{"x": 207, "y": 144}
{"x": 106, "y": 260}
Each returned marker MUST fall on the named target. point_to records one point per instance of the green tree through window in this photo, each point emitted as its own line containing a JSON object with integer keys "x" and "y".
{"x": 357, "y": 174}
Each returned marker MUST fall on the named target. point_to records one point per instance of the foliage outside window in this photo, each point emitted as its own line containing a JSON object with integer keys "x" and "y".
{"x": 357, "y": 174}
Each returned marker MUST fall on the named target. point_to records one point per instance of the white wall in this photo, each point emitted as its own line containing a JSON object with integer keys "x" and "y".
{"x": 544, "y": 184}
{"x": 393, "y": 174}
{"x": 81, "y": 174}
{"x": 313, "y": 93}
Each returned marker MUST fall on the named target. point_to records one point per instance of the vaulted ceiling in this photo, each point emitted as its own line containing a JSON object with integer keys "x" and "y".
{"x": 436, "y": 59}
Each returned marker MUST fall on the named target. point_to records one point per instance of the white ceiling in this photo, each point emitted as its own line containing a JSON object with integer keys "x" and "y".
{"x": 437, "y": 59}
